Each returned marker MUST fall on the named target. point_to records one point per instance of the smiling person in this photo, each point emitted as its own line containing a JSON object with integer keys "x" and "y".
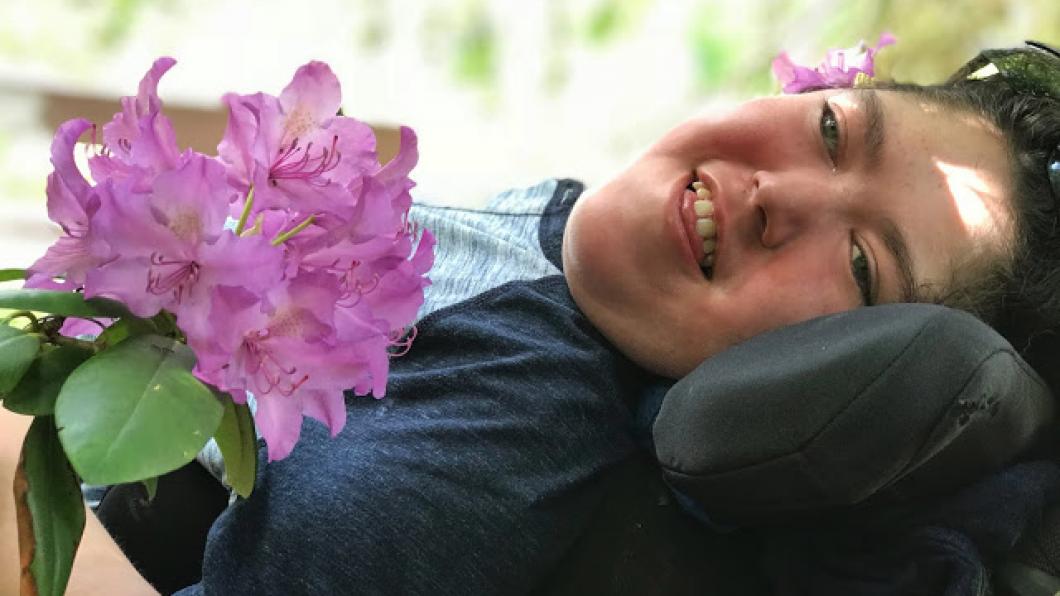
{"x": 805, "y": 206}
{"x": 552, "y": 314}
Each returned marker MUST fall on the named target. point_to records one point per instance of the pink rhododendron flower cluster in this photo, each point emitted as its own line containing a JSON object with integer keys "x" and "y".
{"x": 839, "y": 69}
{"x": 308, "y": 294}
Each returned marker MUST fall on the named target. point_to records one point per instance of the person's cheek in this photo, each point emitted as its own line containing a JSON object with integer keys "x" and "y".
{"x": 785, "y": 294}
{"x": 754, "y": 132}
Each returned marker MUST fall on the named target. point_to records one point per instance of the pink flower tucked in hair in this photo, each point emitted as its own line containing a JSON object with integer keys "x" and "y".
{"x": 839, "y": 69}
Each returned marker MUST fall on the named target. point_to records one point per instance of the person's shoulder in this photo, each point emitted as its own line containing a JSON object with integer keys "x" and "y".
{"x": 523, "y": 198}
{"x": 516, "y": 200}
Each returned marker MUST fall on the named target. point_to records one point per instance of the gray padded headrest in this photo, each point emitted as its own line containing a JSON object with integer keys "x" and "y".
{"x": 888, "y": 403}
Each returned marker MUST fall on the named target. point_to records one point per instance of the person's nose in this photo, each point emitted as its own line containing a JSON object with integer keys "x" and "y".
{"x": 789, "y": 205}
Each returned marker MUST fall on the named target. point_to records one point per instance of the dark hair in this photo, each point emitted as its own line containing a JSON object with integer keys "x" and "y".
{"x": 1017, "y": 291}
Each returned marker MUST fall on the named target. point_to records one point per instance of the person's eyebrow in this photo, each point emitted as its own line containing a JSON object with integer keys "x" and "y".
{"x": 893, "y": 239}
{"x": 875, "y": 126}
{"x": 895, "y": 242}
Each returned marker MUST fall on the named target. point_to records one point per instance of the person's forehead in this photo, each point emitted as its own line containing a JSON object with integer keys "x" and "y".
{"x": 958, "y": 152}
{"x": 945, "y": 174}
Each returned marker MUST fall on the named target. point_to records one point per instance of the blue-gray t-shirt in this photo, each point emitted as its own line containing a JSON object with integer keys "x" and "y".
{"x": 473, "y": 476}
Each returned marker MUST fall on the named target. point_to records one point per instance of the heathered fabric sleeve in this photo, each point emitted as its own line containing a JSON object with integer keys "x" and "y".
{"x": 480, "y": 249}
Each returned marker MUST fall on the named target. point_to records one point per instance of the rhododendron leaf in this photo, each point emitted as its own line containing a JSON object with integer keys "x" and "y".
{"x": 17, "y": 351}
{"x": 126, "y": 328}
{"x": 50, "y": 511}
{"x": 35, "y": 395}
{"x": 239, "y": 446}
{"x": 135, "y": 411}
{"x": 151, "y": 486}
{"x": 67, "y": 304}
{"x": 165, "y": 322}
{"x": 12, "y": 274}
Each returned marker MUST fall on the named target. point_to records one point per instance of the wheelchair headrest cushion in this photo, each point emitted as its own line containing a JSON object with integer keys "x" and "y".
{"x": 885, "y": 403}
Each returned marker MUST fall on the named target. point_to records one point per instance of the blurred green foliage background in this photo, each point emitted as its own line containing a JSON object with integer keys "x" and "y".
{"x": 731, "y": 42}
{"x": 488, "y": 84}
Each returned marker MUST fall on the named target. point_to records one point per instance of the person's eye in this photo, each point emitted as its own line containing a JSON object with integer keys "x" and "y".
{"x": 829, "y": 126}
{"x": 859, "y": 268}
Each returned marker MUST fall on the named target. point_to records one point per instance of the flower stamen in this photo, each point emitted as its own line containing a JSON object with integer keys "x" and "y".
{"x": 271, "y": 370}
{"x": 403, "y": 345}
{"x": 185, "y": 273}
{"x": 297, "y": 162}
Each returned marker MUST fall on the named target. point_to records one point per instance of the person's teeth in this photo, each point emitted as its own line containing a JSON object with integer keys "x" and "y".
{"x": 706, "y": 228}
{"x": 703, "y": 208}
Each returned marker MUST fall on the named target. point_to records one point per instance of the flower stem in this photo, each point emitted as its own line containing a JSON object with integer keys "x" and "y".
{"x": 62, "y": 340}
{"x": 289, "y": 233}
{"x": 247, "y": 206}
{"x": 33, "y": 323}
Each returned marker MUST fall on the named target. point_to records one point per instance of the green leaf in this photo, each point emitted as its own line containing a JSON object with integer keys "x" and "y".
{"x": 12, "y": 274}
{"x": 124, "y": 329}
{"x": 165, "y": 322}
{"x": 69, "y": 304}
{"x": 51, "y": 514}
{"x": 17, "y": 351}
{"x": 151, "y": 486}
{"x": 35, "y": 394}
{"x": 239, "y": 446}
{"x": 135, "y": 411}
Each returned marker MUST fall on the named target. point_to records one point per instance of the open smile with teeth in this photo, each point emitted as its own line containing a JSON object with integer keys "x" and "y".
{"x": 706, "y": 229}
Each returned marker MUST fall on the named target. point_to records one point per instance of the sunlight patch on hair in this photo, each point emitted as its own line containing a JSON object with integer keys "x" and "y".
{"x": 977, "y": 199}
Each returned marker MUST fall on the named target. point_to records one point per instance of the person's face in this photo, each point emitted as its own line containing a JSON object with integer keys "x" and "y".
{"x": 810, "y": 219}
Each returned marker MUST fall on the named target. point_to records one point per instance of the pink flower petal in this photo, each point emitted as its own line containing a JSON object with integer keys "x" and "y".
{"x": 240, "y": 137}
{"x": 327, "y": 407}
{"x": 397, "y": 169}
{"x": 69, "y": 258}
{"x": 139, "y": 135}
{"x": 250, "y": 263}
{"x": 155, "y": 147}
{"x": 356, "y": 148}
{"x": 75, "y": 327}
{"x": 125, "y": 279}
{"x": 312, "y": 96}
{"x": 279, "y": 420}
{"x": 147, "y": 97}
{"x": 399, "y": 292}
{"x": 63, "y": 155}
{"x": 839, "y": 69}
{"x": 192, "y": 200}
{"x": 64, "y": 207}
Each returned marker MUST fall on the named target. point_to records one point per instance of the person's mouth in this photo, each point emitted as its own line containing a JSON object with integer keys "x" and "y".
{"x": 703, "y": 225}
